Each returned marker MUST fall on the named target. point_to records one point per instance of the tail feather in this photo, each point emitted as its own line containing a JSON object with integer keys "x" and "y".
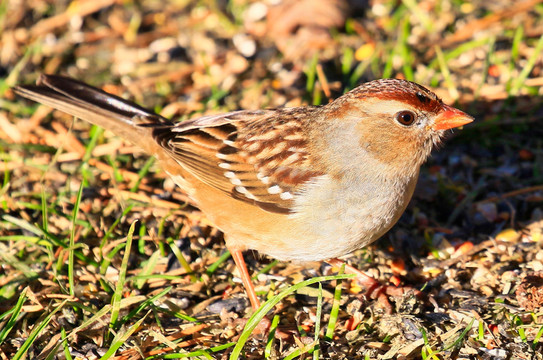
{"x": 98, "y": 107}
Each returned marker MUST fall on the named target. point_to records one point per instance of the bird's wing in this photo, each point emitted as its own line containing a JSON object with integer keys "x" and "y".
{"x": 259, "y": 157}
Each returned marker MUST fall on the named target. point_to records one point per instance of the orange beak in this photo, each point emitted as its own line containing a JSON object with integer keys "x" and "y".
{"x": 450, "y": 117}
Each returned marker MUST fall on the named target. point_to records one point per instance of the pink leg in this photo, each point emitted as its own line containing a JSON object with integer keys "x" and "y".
{"x": 375, "y": 290}
{"x": 237, "y": 255}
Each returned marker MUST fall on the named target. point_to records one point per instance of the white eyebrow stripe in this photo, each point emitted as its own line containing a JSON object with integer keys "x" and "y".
{"x": 380, "y": 106}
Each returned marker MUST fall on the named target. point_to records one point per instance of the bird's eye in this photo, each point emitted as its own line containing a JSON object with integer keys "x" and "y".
{"x": 405, "y": 117}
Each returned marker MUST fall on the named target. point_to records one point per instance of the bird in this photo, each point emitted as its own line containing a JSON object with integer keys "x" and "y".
{"x": 310, "y": 183}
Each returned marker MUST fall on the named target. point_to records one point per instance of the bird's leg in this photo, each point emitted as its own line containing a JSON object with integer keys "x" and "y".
{"x": 375, "y": 290}
{"x": 264, "y": 325}
{"x": 237, "y": 255}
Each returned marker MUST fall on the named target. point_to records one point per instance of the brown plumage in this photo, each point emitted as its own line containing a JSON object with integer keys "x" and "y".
{"x": 306, "y": 183}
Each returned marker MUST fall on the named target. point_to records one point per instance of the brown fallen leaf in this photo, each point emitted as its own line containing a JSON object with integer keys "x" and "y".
{"x": 529, "y": 293}
{"x": 300, "y": 28}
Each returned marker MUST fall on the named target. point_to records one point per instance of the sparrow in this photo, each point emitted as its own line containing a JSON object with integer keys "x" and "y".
{"x": 299, "y": 184}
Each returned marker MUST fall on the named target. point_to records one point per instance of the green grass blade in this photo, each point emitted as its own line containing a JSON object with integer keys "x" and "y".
{"x": 95, "y": 318}
{"x": 445, "y": 71}
{"x": 184, "y": 263}
{"x": 115, "y": 169}
{"x": 147, "y": 269}
{"x": 318, "y": 318}
{"x": 519, "y": 81}
{"x": 66, "y": 345}
{"x": 109, "y": 257}
{"x": 335, "y": 309}
{"x": 194, "y": 354}
{"x": 71, "y": 249}
{"x": 114, "y": 225}
{"x": 54, "y": 351}
{"x": 311, "y": 74}
{"x": 40, "y": 325}
{"x": 271, "y": 337}
{"x": 117, "y": 296}
{"x": 423, "y": 16}
{"x": 15, "y": 311}
{"x": 95, "y": 133}
{"x": 255, "y": 319}
{"x": 44, "y": 212}
{"x": 265, "y": 269}
{"x": 6, "y": 183}
{"x": 347, "y": 61}
{"x": 300, "y": 351}
{"x": 121, "y": 338}
{"x": 145, "y": 304}
{"x": 141, "y": 174}
{"x": 42, "y": 233}
{"x": 459, "y": 50}
{"x": 486, "y": 65}
{"x": 213, "y": 267}
{"x": 537, "y": 337}
{"x": 458, "y": 342}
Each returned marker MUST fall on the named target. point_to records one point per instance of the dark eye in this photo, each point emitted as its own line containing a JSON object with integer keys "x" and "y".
{"x": 405, "y": 117}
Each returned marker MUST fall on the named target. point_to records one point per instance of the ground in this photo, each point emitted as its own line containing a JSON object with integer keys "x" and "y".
{"x": 92, "y": 233}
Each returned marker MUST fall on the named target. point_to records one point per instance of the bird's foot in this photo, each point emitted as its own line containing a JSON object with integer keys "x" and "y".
{"x": 374, "y": 289}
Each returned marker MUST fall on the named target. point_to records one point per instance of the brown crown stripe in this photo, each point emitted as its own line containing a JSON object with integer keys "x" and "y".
{"x": 399, "y": 90}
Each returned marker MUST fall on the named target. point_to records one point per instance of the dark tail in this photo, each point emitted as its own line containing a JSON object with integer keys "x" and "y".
{"x": 124, "y": 118}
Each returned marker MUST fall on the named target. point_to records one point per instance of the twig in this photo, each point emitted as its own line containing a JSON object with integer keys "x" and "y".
{"x": 511, "y": 194}
{"x": 83, "y": 8}
{"x": 477, "y": 25}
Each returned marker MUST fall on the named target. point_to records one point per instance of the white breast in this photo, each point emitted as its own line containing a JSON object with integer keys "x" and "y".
{"x": 335, "y": 218}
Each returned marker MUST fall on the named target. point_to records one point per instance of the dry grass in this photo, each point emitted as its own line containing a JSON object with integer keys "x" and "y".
{"x": 92, "y": 233}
